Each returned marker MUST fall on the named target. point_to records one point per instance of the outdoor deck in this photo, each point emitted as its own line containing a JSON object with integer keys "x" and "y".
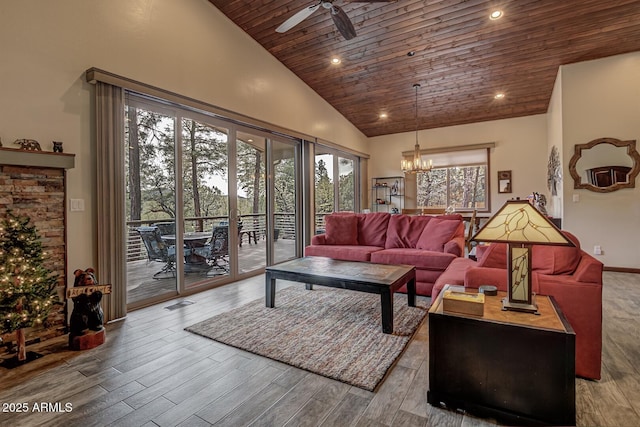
{"x": 141, "y": 284}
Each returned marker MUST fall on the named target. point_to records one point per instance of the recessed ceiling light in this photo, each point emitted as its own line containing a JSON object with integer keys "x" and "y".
{"x": 335, "y": 61}
{"x": 499, "y": 95}
{"x": 496, "y": 14}
{"x": 383, "y": 115}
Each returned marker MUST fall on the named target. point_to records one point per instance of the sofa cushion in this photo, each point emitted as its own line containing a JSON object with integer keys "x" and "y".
{"x": 421, "y": 259}
{"x": 372, "y": 228}
{"x": 341, "y": 229}
{"x": 545, "y": 259}
{"x": 342, "y": 252}
{"x": 494, "y": 256}
{"x": 556, "y": 259}
{"x": 437, "y": 233}
{"x": 405, "y": 230}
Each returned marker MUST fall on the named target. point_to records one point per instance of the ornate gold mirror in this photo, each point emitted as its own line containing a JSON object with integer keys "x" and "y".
{"x": 605, "y": 164}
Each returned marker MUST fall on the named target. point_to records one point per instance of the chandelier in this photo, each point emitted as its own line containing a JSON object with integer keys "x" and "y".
{"x": 416, "y": 165}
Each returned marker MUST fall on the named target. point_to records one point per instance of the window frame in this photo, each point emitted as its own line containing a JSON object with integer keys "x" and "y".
{"x": 451, "y": 151}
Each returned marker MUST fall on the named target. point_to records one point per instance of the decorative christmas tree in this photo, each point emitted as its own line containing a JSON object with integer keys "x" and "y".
{"x": 27, "y": 288}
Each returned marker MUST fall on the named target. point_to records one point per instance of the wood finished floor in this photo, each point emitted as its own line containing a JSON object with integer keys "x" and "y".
{"x": 151, "y": 372}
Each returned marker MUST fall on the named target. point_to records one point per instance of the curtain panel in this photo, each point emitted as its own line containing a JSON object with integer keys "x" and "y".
{"x": 111, "y": 225}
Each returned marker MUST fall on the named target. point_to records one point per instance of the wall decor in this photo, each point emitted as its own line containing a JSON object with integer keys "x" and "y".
{"x": 28, "y": 144}
{"x": 604, "y": 165}
{"x": 504, "y": 181}
{"x": 554, "y": 171}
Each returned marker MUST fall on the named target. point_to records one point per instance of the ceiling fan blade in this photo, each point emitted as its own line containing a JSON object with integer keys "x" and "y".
{"x": 297, "y": 18}
{"x": 343, "y": 23}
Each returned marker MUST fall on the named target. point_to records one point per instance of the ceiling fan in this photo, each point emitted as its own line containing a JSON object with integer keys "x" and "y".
{"x": 340, "y": 18}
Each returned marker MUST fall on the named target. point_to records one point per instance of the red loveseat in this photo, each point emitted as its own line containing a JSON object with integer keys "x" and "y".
{"x": 570, "y": 275}
{"x": 429, "y": 243}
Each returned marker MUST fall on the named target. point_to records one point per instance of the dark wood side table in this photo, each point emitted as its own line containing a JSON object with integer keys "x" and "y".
{"x": 518, "y": 368}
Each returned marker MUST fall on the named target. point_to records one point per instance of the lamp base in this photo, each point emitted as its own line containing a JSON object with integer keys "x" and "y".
{"x": 517, "y": 306}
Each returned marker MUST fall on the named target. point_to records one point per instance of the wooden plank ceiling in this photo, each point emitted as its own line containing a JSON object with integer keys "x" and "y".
{"x": 462, "y": 58}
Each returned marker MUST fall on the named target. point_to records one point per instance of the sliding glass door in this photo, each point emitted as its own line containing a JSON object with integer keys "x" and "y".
{"x": 200, "y": 209}
{"x": 150, "y": 202}
{"x": 205, "y": 201}
{"x": 251, "y": 149}
{"x": 285, "y": 227}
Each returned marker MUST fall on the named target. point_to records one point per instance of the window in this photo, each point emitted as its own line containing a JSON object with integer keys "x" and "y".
{"x": 336, "y": 179}
{"x": 458, "y": 179}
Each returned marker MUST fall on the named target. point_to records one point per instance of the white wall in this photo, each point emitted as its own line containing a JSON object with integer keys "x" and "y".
{"x": 521, "y": 147}
{"x": 186, "y": 46}
{"x": 554, "y": 139}
{"x": 601, "y": 98}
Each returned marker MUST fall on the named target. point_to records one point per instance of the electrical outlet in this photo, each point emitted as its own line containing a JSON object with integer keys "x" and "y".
{"x": 597, "y": 250}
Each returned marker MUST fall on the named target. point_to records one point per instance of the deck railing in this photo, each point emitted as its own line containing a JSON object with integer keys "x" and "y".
{"x": 284, "y": 224}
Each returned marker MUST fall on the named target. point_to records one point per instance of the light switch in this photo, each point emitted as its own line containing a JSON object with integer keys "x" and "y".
{"x": 576, "y": 198}
{"x": 76, "y": 205}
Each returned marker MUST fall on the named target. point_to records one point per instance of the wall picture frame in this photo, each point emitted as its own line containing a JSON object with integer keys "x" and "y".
{"x": 504, "y": 181}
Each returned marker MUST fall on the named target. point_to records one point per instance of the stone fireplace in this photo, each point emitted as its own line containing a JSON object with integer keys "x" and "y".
{"x": 33, "y": 183}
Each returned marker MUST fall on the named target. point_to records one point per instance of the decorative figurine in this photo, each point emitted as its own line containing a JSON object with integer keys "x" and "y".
{"x": 87, "y": 315}
{"x": 57, "y": 146}
{"x": 28, "y": 144}
{"x": 395, "y": 188}
{"x": 540, "y": 203}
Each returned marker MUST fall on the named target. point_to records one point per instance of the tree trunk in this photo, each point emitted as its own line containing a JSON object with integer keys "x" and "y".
{"x": 22, "y": 347}
{"x": 475, "y": 188}
{"x": 197, "y": 211}
{"x": 134, "y": 166}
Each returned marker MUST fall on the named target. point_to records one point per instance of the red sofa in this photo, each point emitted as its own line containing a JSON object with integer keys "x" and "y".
{"x": 429, "y": 243}
{"x": 570, "y": 275}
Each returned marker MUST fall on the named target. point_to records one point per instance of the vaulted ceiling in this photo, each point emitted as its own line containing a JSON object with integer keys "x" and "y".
{"x": 461, "y": 58}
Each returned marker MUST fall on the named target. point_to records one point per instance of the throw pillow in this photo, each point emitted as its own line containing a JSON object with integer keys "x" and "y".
{"x": 341, "y": 229}
{"x": 404, "y": 230}
{"x": 372, "y": 228}
{"x": 437, "y": 233}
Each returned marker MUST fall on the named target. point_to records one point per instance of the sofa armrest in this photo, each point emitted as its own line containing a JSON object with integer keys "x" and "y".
{"x": 455, "y": 246}
{"x": 589, "y": 270}
{"x": 319, "y": 239}
{"x": 480, "y": 250}
{"x": 478, "y": 276}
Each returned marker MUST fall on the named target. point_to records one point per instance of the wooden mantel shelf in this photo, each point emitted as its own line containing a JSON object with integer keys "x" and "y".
{"x": 48, "y": 159}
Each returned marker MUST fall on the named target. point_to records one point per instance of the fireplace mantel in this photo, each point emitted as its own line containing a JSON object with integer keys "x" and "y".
{"x": 47, "y": 159}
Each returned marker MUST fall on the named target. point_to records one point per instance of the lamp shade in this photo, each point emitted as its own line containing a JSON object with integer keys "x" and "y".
{"x": 520, "y": 222}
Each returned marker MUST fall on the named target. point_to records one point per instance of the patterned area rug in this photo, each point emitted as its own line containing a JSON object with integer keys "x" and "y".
{"x": 332, "y": 332}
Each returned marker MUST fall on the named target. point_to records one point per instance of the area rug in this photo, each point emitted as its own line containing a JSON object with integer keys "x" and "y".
{"x": 332, "y": 332}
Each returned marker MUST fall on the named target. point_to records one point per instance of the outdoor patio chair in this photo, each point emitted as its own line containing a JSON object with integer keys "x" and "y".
{"x": 158, "y": 250}
{"x": 217, "y": 249}
{"x": 166, "y": 228}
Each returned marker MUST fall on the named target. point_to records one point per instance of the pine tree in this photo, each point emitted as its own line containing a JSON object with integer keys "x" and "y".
{"x": 27, "y": 288}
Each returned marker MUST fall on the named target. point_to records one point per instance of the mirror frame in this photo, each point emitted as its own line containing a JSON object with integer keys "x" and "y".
{"x": 631, "y": 152}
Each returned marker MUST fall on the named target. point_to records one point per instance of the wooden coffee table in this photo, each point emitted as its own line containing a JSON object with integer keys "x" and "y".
{"x": 516, "y": 367}
{"x": 368, "y": 277}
